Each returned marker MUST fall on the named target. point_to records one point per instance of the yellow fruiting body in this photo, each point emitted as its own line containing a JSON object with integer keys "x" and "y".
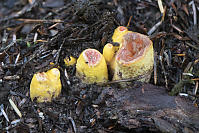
{"x": 119, "y": 33}
{"x": 91, "y": 67}
{"x": 70, "y": 61}
{"x": 108, "y": 52}
{"x": 45, "y": 86}
{"x": 135, "y": 58}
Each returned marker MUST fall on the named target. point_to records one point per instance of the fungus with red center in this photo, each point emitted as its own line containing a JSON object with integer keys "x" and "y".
{"x": 91, "y": 67}
{"x": 45, "y": 86}
{"x": 133, "y": 48}
{"x": 122, "y": 28}
{"x": 135, "y": 58}
{"x": 119, "y": 33}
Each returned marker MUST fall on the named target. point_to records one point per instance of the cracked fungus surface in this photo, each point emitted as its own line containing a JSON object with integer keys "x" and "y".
{"x": 134, "y": 45}
{"x": 92, "y": 57}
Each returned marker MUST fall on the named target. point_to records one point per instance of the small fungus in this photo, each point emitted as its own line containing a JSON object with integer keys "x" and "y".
{"x": 91, "y": 67}
{"x": 45, "y": 86}
{"x": 70, "y": 61}
{"x": 108, "y": 52}
{"x": 119, "y": 33}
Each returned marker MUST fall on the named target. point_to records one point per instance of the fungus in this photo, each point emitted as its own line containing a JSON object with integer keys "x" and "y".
{"x": 45, "y": 86}
{"x": 119, "y": 33}
{"x": 70, "y": 61}
{"x": 135, "y": 58}
{"x": 109, "y": 52}
{"x": 91, "y": 67}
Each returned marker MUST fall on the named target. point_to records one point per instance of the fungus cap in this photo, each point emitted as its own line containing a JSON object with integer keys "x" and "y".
{"x": 108, "y": 52}
{"x": 45, "y": 86}
{"x": 91, "y": 67}
{"x": 135, "y": 57}
{"x": 119, "y": 33}
{"x": 70, "y": 61}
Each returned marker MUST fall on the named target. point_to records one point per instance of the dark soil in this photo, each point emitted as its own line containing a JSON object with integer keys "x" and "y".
{"x": 37, "y": 35}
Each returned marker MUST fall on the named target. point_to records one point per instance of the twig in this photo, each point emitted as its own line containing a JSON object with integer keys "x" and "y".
{"x": 196, "y": 88}
{"x": 3, "y": 112}
{"x": 18, "y": 94}
{"x": 14, "y": 38}
{"x": 58, "y": 52}
{"x": 184, "y": 94}
{"x": 194, "y": 12}
{"x": 5, "y": 36}
{"x": 155, "y": 68}
{"x": 25, "y": 9}
{"x": 165, "y": 77}
{"x": 35, "y": 37}
{"x": 160, "y": 6}
{"x": 167, "y": 58}
{"x": 157, "y": 24}
{"x": 52, "y": 26}
{"x": 4, "y": 66}
{"x": 14, "y": 77}
{"x": 162, "y": 64}
{"x": 15, "y": 108}
{"x": 40, "y": 20}
{"x": 73, "y": 124}
{"x": 193, "y": 46}
{"x": 154, "y": 27}
{"x": 187, "y": 74}
{"x": 17, "y": 58}
{"x": 195, "y": 79}
{"x": 187, "y": 68}
{"x": 57, "y": 11}
{"x": 66, "y": 75}
{"x": 125, "y": 80}
{"x": 176, "y": 28}
{"x": 129, "y": 21}
{"x": 35, "y": 54}
{"x": 14, "y": 122}
{"x": 8, "y": 46}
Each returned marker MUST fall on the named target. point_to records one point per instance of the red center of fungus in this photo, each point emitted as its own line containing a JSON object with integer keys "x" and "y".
{"x": 92, "y": 57}
{"x": 122, "y": 28}
{"x": 133, "y": 46}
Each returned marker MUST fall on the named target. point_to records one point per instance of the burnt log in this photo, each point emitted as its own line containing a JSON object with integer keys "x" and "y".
{"x": 147, "y": 108}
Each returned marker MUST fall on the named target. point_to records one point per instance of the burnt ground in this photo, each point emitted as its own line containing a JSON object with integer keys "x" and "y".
{"x": 37, "y": 35}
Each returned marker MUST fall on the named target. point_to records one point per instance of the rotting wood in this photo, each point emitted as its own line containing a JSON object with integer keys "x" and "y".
{"x": 148, "y": 108}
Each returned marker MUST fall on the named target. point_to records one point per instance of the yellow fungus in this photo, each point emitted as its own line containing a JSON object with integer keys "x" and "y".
{"x": 135, "y": 58}
{"x": 52, "y": 63}
{"x": 70, "y": 61}
{"x": 119, "y": 33}
{"x": 91, "y": 67}
{"x": 45, "y": 86}
{"x": 108, "y": 52}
